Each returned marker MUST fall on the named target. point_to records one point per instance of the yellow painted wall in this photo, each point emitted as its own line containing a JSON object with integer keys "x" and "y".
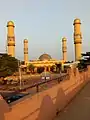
{"x": 25, "y": 51}
{"x": 77, "y": 39}
{"x": 10, "y": 39}
{"x": 64, "y": 48}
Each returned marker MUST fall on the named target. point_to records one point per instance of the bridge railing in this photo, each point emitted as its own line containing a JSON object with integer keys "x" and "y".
{"x": 37, "y": 85}
{"x": 55, "y": 80}
{"x": 57, "y": 97}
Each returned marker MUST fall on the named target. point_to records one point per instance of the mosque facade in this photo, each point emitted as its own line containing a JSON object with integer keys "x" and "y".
{"x": 45, "y": 60}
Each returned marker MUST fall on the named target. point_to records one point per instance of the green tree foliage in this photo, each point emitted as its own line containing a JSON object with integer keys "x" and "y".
{"x": 8, "y": 65}
{"x": 31, "y": 67}
{"x": 53, "y": 68}
{"x": 65, "y": 69}
{"x": 69, "y": 62}
{"x": 40, "y": 69}
{"x": 22, "y": 62}
{"x": 84, "y": 61}
{"x": 58, "y": 67}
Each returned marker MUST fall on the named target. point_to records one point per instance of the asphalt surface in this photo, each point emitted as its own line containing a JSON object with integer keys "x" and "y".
{"x": 30, "y": 81}
{"x": 79, "y": 108}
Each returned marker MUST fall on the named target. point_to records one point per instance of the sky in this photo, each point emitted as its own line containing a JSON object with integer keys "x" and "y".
{"x": 44, "y": 23}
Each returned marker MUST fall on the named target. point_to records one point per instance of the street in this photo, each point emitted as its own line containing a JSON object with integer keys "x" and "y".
{"x": 79, "y": 108}
{"x": 30, "y": 80}
{"x": 7, "y": 90}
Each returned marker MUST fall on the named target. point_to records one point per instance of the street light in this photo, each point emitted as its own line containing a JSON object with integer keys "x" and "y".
{"x": 45, "y": 73}
{"x": 19, "y": 63}
{"x": 60, "y": 72}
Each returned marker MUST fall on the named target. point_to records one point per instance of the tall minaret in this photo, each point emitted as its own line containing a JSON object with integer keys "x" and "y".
{"x": 10, "y": 39}
{"x": 25, "y": 51}
{"x": 77, "y": 39}
{"x": 64, "y": 49}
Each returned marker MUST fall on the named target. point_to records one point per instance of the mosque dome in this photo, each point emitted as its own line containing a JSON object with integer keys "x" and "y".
{"x": 76, "y": 21}
{"x": 10, "y": 23}
{"x": 45, "y": 57}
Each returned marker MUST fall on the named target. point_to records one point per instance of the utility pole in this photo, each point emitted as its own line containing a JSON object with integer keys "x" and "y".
{"x": 19, "y": 63}
{"x": 6, "y": 48}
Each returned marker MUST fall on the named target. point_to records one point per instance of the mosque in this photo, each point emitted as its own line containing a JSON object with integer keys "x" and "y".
{"x": 45, "y": 60}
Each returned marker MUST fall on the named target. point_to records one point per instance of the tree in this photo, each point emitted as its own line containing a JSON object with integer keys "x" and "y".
{"x": 68, "y": 62}
{"x": 8, "y": 65}
{"x": 53, "y": 68}
{"x": 22, "y": 62}
{"x": 84, "y": 61}
{"x": 58, "y": 67}
{"x": 31, "y": 67}
{"x": 40, "y": 69}
{"x": 66, "y": 68}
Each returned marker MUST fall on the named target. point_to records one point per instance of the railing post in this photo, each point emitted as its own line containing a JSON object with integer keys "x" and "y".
{"x": 61, "y": 78}
{"x": 58, "y": 80}
{"x": 37, "y": 88}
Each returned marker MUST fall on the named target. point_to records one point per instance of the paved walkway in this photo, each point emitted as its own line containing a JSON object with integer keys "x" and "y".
{"x": 79, "y": 108}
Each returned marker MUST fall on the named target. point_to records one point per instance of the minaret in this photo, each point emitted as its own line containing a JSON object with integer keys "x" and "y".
{"x": 77, "y": 39}
{"x": 25, "y": 51}
{"x": 10, "y": 39}
{"x": 64, "y": 49}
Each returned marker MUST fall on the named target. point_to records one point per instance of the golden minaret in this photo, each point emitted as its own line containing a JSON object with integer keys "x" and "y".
{"x": 25, "y": 51}
{"x": 64, "y": 49}
{"x": 10, "y": 39}
{"x": 77, "y": 39}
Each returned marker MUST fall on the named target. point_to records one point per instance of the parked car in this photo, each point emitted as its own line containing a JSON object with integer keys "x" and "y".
{"x": 45, "y": 76}
{"x": 13, "y": 98}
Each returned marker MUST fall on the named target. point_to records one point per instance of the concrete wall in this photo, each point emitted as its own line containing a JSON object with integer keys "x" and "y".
{"x": 3, "y": 108}
{"x": 45, "y": 105}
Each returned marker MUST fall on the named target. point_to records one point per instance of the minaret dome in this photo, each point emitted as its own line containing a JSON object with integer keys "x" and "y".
{"x": 10, "y": 23}
{"x": 25, "y": 41}
{"x": 77, "y": 21}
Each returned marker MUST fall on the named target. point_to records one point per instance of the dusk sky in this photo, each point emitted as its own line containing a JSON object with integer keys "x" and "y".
{"x": 44, "y": 23}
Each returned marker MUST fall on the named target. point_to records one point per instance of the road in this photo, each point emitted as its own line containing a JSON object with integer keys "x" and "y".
{"x": 79, "y": 108}
{"x": 30, "y": 81}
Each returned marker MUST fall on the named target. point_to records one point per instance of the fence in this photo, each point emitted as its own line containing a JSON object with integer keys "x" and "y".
{"x": 36, "y": 85}
{"x": 45, "y": 105}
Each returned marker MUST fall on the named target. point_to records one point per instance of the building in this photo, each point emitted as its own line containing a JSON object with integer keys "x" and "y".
{"x": 64, "y": 48}
{"x": 77, "y": 39}
{"x": 45, "y": 60}
{"x": 10, "y": 39}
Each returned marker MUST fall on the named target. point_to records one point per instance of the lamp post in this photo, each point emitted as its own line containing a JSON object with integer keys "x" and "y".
{"x": 45, "y": 73}
{"x": 20, "y": 75}
{"x": 60, "y": 72}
